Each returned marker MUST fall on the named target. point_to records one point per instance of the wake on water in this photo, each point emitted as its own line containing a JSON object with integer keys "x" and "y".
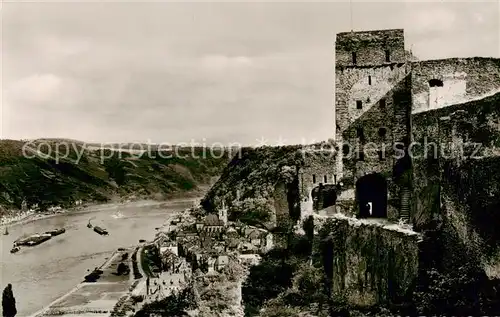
{"x": 117, "y": 215}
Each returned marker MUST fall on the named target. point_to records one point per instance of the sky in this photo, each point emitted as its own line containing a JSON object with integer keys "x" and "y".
{"x": 229, "y": 72}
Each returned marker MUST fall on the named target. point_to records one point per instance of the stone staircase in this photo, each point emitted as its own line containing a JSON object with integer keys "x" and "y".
{"x": 404, "y": 212}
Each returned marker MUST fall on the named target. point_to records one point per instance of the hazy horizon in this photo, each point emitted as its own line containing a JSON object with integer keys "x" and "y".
{"x": 225, "y": 72}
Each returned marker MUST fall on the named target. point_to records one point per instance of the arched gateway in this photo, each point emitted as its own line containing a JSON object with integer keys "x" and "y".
{"x": 371, "y": 196}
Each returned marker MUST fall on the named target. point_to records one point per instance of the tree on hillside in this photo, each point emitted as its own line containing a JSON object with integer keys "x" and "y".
{"x": 8, "y": 302}
{"x": 327, "y": 257}
{"x": 308, "y": 227}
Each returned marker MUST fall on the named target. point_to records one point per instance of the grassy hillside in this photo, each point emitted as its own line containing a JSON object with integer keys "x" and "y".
{"x": 99, "y": 175}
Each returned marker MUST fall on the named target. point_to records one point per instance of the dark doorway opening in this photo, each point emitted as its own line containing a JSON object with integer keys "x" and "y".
{"x": 371, "y": 195}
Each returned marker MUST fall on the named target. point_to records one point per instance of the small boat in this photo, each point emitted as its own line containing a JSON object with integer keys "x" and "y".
{"x": 15, "y": 249}
{"x": 89, "y": 225}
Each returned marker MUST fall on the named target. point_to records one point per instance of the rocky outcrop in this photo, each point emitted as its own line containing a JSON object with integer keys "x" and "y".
{"x": 372, "y": 262}
{"x": 259, "y": 186}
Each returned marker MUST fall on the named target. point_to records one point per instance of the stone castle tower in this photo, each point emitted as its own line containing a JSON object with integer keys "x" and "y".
{"x": 372, "y": 107}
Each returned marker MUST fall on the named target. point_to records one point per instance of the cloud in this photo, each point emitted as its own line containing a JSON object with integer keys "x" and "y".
{"x": 50, "y": 45}
{"x": 175, "y": 71}
{"x": 221, "y": 62}
{"x": 39, "y": 89}
{"x": 478, "y": 17}
{"x": 434, "y": 19}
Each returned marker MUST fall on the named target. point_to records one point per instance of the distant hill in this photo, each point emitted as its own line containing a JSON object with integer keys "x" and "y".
{"x": 75, "y": 172}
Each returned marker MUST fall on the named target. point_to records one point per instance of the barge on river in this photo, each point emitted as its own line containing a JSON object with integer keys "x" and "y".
{"x": 101, "y": 231}
{"x": 33, "y": 240}
{"x": 56, "y": 232}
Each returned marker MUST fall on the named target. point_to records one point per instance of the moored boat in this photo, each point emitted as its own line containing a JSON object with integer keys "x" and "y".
{"x": 15, "y": 249}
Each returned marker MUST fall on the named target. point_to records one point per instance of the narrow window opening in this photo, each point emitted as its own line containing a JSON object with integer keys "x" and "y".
{"x": 314, "y": 179}
{"x": 387, "y": 56}
{"x": 435, "y": 83}
{"x": 359, "y": 133}
{"x": 381, "y": 155}
{"x": 359, "y": 104}
{"x": 382, "y": 132}
{"x": 354, "y": 58}
{"x": 382, "y": 103}
{"x": 335, "y": 179}
{"x": 369, "y": 80}
{"x": 435, "y": 87}
{"x": 361, "y": 155}
{"x": 346, "y": 149}
{"x": 326, "y": 179}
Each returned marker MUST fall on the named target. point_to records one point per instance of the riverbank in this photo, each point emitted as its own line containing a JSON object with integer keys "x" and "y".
{"x": 18, "y": 217}
{"x": 100, "y": 297}
{"x": 42, "y": 274}
{"x": 28, "y": 217}
{"x": 92, "y": 297}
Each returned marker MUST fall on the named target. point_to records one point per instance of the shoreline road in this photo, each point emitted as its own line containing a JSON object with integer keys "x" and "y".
{"x": 140, "y": 287}
{"x": 44, "y": 310}
{"x": 79, "y": 286}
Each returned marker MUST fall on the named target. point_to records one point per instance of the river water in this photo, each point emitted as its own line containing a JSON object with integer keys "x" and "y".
{"x": 42, "y": 273}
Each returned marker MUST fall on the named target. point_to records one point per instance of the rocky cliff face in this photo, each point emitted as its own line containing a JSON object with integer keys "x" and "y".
{"x": 372, "y": 263}
{"x": 259, "y": 186}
